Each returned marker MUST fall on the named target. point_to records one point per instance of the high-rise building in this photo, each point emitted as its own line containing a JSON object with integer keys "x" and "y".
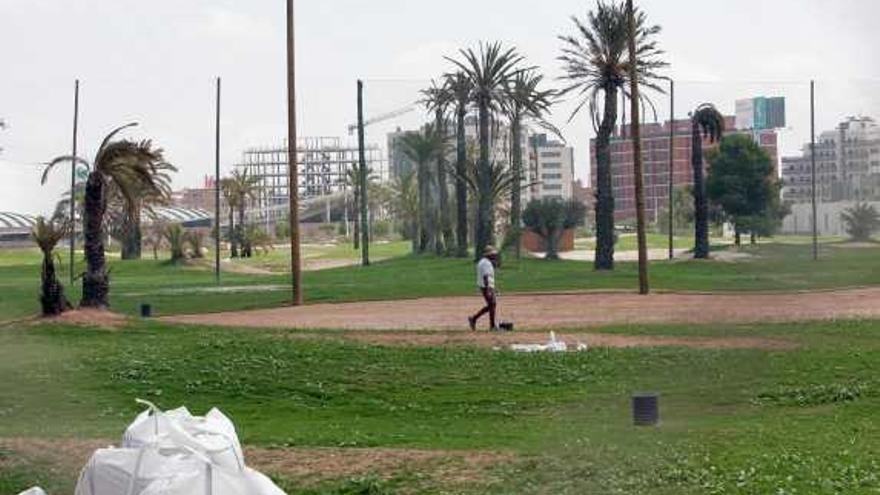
{"x": 847, "y": 165}
{"x": 655, "y": 155}
{"x": 551, "y": 169}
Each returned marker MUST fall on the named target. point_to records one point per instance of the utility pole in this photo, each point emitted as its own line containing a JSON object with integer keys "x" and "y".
{"x": 813, "y": 169}
{"x": 73, "y": 181}
{"x": 362, "y": 179}
{"x": 671, "y": 206}
{"x": 217, "y": 189}
{"x": 293, "y": 168}
{"x": 644, "y": 289}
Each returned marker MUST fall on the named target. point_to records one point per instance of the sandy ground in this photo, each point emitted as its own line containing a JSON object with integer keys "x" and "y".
{"x": 65, "y": 457}
{"x": 545, "y": 311}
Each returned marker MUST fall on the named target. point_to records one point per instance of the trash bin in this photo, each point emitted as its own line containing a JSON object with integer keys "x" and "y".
{"x": 646, "y": 409}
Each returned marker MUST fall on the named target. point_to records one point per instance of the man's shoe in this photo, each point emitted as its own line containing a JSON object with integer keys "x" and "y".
{"x": 472, "y": 323}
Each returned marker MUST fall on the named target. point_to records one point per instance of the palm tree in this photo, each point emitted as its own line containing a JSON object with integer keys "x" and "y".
{"x": 422, "y": 148}
{"x": 438, "y": 99}
{"x": 227, "y": 187}
{"x": 489, "y": 71}
{"x": 459, "y": 87}
{"x": 524, "y": 100}
{"x": 405, "y": 206}
{"x": 125, "y": 164}
{"x": 244, "y": 189}
{"x": 706, "y": 123}
{"x": 47, "y": 235}
{"x": 352, "y": 179}
{"x": 596, "y": 62}
{"x": 142, "y": 197}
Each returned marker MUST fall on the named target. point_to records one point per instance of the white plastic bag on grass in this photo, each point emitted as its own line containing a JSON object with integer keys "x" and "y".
{"x": 128, "y": 471}
{"x": 212, "y": 435}
{"x": 33, "y": 491}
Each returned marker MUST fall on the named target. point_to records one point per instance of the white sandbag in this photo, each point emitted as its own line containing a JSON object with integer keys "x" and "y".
{"x": 33, "y": 491}
{"x": 215, "y": 481}
{"x": 128, "y": 471}
{"x": 212, "y": 435}
{"x": 553, "y": 345}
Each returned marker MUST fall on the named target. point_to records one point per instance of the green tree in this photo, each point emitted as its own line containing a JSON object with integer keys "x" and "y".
{"x": 861, "y": 221}
{"x": 460, "y": 88}
{"x": 422, "y": 149}
{"x": 438, "y": 99}
{"x": 549, "y": 218}
{"x": 243, "y": 189}
{"x": 741, "y": 181}
{"x": 706, "y": 123}
{"x": 47, "y": 234}
{"x": 175, "y": 237}
{"x": 596, "y": 64}
{"x": 405, "y": 206}
{"x": 525, "y": 100}
{"x": 227, "y": 188}
{"x": 352, "y": 180}
{"x": 126, "y": 164}
{"x": 489, "y": 70}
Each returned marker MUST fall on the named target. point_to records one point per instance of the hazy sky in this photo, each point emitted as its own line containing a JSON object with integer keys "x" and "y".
{"x": 154, "y": 62}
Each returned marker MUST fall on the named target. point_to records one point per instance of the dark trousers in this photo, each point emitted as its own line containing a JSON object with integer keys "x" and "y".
{"x": 491, "y": 303}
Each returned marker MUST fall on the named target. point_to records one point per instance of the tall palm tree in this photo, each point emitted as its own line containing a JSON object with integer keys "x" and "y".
{"x": 405, "y": 206}
{"x": 524, "y": 100}
{"x": 227, "y": 187}
{"x": 706, "y": 123}
{"x": 422, "y": 149}
{"x": 245, "y": 188}
{"x": 459, "y": 87}
{"x": 47, "y": 235}
{"x": 596, "y": 64}
{"x": 437, "y": 99}
{"x": 489, "y": 69}
{"x": 352, "y": 179}
{"x": 125, "y": 164}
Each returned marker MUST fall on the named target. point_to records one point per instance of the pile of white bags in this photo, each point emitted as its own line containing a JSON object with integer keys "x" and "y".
{"x": 174, "y": 453}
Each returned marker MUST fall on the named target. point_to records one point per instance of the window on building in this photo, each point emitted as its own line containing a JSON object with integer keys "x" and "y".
{"x": 552, "y": 165}
{"x": 551, "y": 154}
{"x": 552, "y": 187}
{"x": 551, "y": 176}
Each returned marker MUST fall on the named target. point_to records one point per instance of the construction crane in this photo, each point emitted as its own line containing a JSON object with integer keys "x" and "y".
{"x": 382, "y": 118}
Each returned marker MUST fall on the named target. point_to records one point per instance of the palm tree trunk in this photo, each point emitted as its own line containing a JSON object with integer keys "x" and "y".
{"x": 461, "y": 198}
{"x": 96, "y": 283}
{"x": 233, "y": 242}
{"x": 426, "y": 227}
{"x": 242, "y": 238}
{"x": 552, "y": 243}
{"x": 701, "y": 206}
{"x": 485, "y": 207}
{"x": 357, "y": 221}
{"x": 52, "y": 297}
{"x": 604, "y": 192}
{"x": 445, "y": 226}
{"x": 131, "y": 243}
{"x": 516, "y": 192}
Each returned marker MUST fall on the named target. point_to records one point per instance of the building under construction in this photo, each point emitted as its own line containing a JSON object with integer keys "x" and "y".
{"x": 323, "y": 165}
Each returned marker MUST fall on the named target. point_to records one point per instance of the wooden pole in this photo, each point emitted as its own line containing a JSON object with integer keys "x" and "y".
{"x": 637, "y": 154}
{"x": 813, "y": 169}
{"x": 362, "y": 179}
{"x": 671, "y": 168}
{"x": 293, "y": 171}
{"x": 217, "y": 188}
{"x": 73, "y": 182}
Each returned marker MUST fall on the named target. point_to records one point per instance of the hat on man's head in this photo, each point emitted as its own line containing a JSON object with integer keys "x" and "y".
{"x": 490, "y": 251}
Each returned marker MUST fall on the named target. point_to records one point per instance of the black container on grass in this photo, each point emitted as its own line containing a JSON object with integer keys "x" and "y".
{"x": 646, "y": 409}
{"x": 146, "y": 311}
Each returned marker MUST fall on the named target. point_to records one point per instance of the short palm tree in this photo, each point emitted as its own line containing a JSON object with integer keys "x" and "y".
{"x": 176, "y": 239}
{"x": 525, "y": 100}
{"x": 405, "y": 206}
{"x": 422, "y": 149}
{"x": 47, "y": 234}
{"x": 459, "y": 87}
{"x": 706, "y": 123}
{"x": 352, "y": 179}
{"x": 438, "y": 99}
{"x": 127, "y": 165}
{"x": 489, "y": 70}
{"x": 227, "y": 187}
{"x": 596, "y": 64}
{"x": 861, "y": 221}
{"x": 244, "y": 188}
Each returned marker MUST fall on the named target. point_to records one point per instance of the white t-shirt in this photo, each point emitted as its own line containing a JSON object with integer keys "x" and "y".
{"x": 485, "y": 268}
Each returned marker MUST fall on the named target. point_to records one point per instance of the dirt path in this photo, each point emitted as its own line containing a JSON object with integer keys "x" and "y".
{"x": 65, "y": 458}
{"x": 576, "y": 311}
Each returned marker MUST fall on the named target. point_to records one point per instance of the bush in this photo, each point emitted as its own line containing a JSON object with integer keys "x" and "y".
{"x": 174, "y": 236}
{"x": 381, "y": 228}
{"x": 550, "y": 217}
{"x": 861, "y": 221}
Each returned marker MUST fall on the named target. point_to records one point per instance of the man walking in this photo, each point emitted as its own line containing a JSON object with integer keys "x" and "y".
{"x": 486, "y": 283}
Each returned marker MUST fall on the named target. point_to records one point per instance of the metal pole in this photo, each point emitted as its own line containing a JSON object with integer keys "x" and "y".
{"x": 217, "y": 189}
{"x": 362, "y": 179}
{"x": 73, "y": 181}
{"x": 813, "y": 168}
{"x": 293, "y": 166}
{"x": 671, "y": 206}
{"x": 635, "y": 118}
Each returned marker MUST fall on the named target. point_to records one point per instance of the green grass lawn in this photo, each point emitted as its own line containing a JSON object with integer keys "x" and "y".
{"x": 174, "y": 289}
{"x": 734, "y": 421}
{"x": 278, "y": 260}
